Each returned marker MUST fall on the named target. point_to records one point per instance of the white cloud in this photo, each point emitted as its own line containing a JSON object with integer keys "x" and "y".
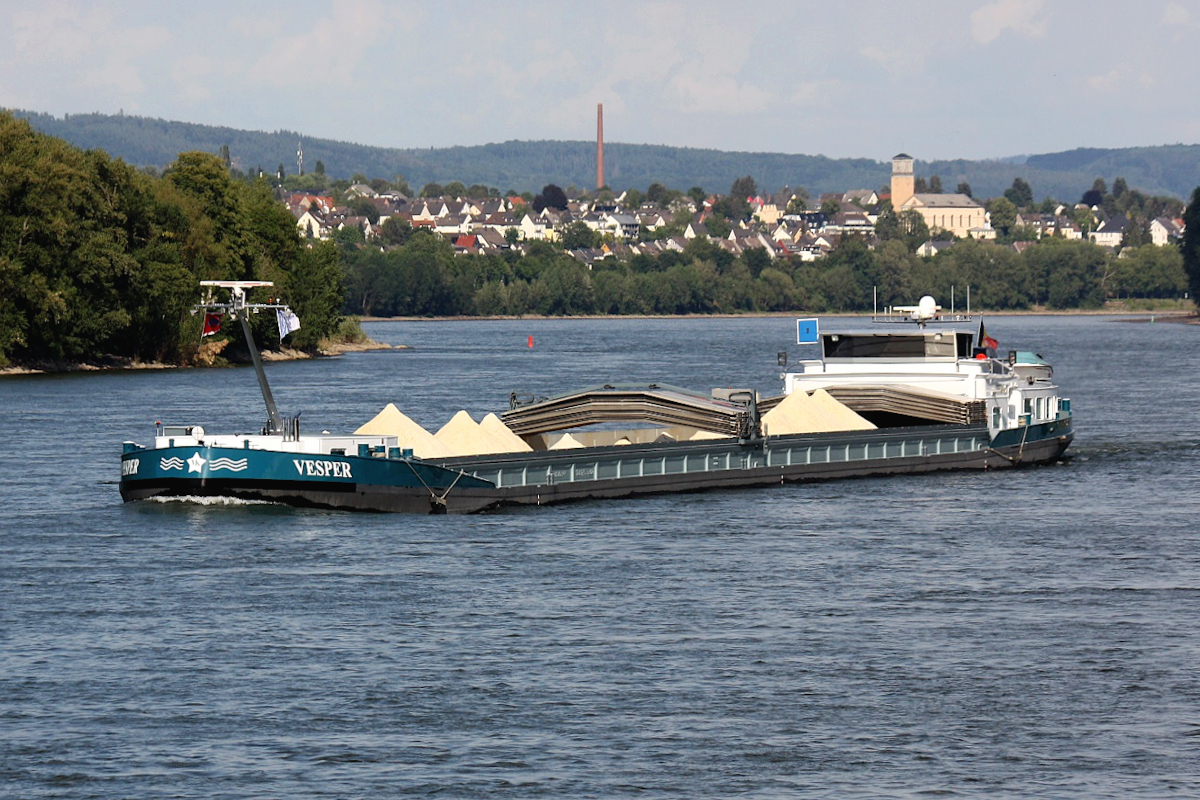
{"x": 899, "y": 62}
{"x": 1108, "y": 82}
{"x": 688, "y": 59}
{"x": 1175, "y": 14}
{"x": 100, "y": 51}
{"x": 330, "y": 49}
{"x": 695, "y": 91}
{"x": 988, "y": 22}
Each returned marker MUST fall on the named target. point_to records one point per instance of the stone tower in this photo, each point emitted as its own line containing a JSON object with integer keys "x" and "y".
{"x": 902, "y": 179}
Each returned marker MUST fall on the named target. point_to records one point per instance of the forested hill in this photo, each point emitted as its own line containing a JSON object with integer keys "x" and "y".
{"x": 527, "y": 166}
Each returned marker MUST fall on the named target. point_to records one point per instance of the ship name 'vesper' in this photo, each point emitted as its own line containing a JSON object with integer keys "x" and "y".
{"x": 322, "y": 469}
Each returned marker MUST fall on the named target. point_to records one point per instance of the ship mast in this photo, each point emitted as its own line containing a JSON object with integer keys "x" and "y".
{"x": 239, "y": 309}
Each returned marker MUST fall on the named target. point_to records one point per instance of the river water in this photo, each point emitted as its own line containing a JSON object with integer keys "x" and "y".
{"x": 1031, "y": 633}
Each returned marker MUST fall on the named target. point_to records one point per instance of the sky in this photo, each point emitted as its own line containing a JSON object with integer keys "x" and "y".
{"x": 973, "y": 79}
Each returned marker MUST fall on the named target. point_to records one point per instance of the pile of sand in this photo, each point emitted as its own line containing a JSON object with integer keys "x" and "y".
{"x": 461, "y": 435}
{"x": 502, "y": 435}
{"x": 466, "y": 437}
{"x": 392, "y": 422}
{"x": 816, "y": 413}
{"x": 840, "y": 414}
{"x": 567, "y": 442}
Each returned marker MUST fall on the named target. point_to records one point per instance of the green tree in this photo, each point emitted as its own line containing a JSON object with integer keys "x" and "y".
{"x": 658, "y": 194}
{"x": 849, "y": 272}
{"x": 894, "y": 265}
{"x": 1003, "y": 214}
{"x": 964, "y": 188}
{"x": 1095, "y": 196}
{"x": 887, "y": 223}
{"x": 1149, "y": 271}
{"x": 1020, "y": 194}
{"x": 565, "y": 288}
{"x": 551, "y": 196}
{"x": 313, "y": 287}
{"x": 757, "y": 260}
{"x": 914, "y": 229}
{"x": 774, "y": 290}
{"x": 1137, "y": 233}
{"x": 1190, "y": 246}
{"x": 363, "y": 207}
{"x": 577, "y": 236}
{"x": 395, "y": 231}
{"x": 744, "y": 188}
{"x": 997, "y": 276}
{"x": 1067, "y": 273}
{"x": 718, "y": 226}
{"x": 219, "y": 248}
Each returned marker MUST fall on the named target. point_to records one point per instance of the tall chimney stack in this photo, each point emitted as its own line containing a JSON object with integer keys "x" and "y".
{"x": 599, "y": 145}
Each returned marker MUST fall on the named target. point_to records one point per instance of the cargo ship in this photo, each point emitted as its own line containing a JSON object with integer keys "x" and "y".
{"x": 925, "y": 395}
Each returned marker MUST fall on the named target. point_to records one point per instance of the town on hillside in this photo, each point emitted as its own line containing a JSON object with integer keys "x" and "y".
{"x": 593, "y": 226}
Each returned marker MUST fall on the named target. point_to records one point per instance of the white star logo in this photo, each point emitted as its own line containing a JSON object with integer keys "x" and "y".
{"x": 196, "y": 463}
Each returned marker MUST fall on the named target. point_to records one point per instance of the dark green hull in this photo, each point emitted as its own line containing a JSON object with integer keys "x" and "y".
{"x": 476, "y": 483}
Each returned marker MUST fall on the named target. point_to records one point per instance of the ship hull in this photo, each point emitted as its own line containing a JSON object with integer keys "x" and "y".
{"x": 478, "y": 483}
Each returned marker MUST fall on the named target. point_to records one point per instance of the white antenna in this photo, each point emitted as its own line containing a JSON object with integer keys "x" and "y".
{"x": 300, "y": 157}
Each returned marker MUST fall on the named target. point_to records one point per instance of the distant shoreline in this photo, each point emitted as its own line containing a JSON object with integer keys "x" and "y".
{"x": 1181, "y": 315}
{"x": 1171, "y": 316}
{"x": 286, "y": 354}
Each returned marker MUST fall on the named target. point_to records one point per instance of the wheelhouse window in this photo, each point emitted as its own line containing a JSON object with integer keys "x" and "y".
{"x": 843, "y": 345}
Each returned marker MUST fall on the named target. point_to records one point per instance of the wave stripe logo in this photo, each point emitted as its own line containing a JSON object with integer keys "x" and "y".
{"x": 170, "y": 463}
{"x": 227, "y": 463}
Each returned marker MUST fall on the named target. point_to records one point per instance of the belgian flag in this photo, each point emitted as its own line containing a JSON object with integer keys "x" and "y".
{"x": 986, "y": 341}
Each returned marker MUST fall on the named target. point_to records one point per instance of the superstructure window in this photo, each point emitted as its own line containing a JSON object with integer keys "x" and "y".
{"x": 841, "y": 345}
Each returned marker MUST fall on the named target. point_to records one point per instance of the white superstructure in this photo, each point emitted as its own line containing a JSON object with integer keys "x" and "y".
{"x": 939, "y": 366}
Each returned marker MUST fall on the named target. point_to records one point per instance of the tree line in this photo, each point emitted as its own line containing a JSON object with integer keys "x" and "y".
{"x": 422, "y": 276}
{"x": 99, "y": 260}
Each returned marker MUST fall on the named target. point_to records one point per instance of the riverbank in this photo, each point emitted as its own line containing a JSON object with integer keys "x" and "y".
{"x": 327, "y": 350}
{"x": 1113, "y": 310}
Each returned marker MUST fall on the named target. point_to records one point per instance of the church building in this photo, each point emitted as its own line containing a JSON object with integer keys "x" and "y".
{"x": 956, "y": 213}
